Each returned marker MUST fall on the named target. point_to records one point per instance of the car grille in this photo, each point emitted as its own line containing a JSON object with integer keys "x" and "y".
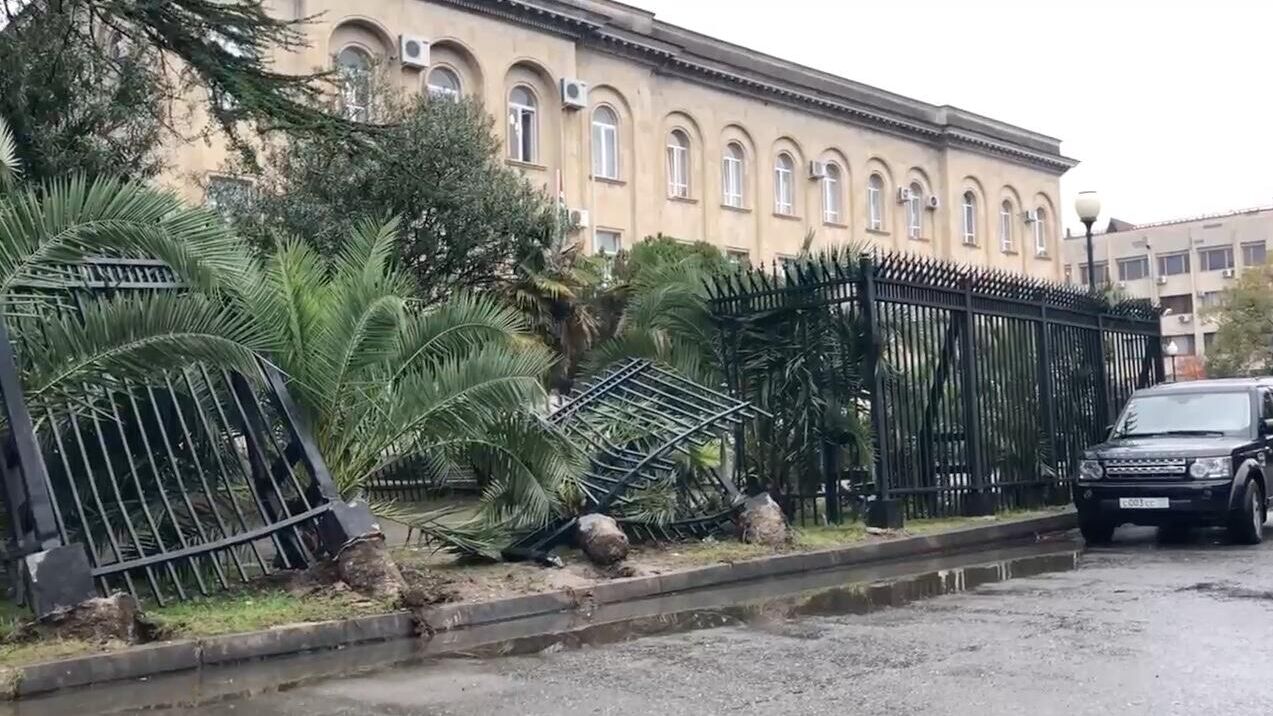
{"x": 1146, "y": 468}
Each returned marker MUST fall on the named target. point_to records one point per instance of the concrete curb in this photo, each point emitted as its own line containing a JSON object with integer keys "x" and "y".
{"x": 154, "y": 659}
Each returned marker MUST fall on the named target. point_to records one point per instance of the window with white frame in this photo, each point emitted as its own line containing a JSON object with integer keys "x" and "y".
{"x": 606, "y": 242}
{"x": 605, "y": 143}
{"x": 523, "y": 124}
{"x": 443, "y": 83}
{"x": 732, "y": 172}
{"x": 678, "y": 164}
{"x": 784, "y": 185}
{"x": 1254, "y": 253}
{"x": 1005, "y": 227}
{"x": 1040, "y": 229}
{"x": 875, "y": 203}
{"x": 353, "y": 64}
{"x": 832, "y": 201}
{"x": 970, "y": 219}
{"x": 915, "y": 212}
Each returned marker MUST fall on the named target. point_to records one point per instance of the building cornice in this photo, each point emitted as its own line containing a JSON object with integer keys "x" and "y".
{"x": 675, "y": 51}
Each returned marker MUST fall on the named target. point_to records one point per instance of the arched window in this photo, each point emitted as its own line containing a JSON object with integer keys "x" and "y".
{"x": 732, "y": 172}
{"x": 915, "y": 212}
{"x": 605, "y": 143}
{"x": 354, "y": 66}
{"x": 523, "y": 125}
{"x": 785, "y": 185}
{"x": 444, "y": 83}
{"x": 1005, "y": 226}
{"x": 678, "y": 164}
{"x": 875, "y": 203}
{"x": 832, "y": 201}
{"x": 970, "y": 219}
{"x": 1040, "y": 228}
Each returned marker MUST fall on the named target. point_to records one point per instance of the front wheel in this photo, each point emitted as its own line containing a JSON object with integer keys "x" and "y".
{"x": 1246, "y": 526}
{"x": 1096, "y": 531}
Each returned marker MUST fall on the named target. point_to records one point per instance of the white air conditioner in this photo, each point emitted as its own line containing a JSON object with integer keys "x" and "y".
{"x": 574, "y": 93}
{"x": 1121, "y": 284}
{"x": 1031, "y": 216}
{"x": 903, "y": 194}
{"x": 1162, "y": 280}
{"x": 817, "y": 170}
{"x": 934, "y": 203}
{"x": 1185, "y": 317}
{"x": 579, "y": 218}
{"x": 413, "y": 51}
{"x": 1228, "y": 273}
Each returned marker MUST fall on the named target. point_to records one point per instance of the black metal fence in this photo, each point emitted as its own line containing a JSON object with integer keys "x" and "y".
{"x": 196, "y": 479}
{"x": 903, "y": 386}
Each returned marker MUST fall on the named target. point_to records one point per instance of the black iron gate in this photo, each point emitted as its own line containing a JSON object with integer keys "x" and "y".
{"x": 192, "y": 481}
{"x": 962, "y": 391}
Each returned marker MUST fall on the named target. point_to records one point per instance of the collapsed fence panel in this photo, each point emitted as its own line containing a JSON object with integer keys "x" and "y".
{"x": 910, "y": 387}
{"x": 183, "y": 484}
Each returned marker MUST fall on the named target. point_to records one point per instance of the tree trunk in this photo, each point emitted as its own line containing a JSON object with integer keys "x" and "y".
{"x": 602, "y": 540}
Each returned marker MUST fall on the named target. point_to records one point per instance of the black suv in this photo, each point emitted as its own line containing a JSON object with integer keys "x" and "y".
{"x": 1182, "y": 454}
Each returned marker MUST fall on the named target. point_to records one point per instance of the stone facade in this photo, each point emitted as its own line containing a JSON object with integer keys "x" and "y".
{"x": 1183, "y": 265}
{"x": 675, "y": 104}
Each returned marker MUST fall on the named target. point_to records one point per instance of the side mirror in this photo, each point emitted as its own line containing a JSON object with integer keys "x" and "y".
{"x": 1266, "y": 426}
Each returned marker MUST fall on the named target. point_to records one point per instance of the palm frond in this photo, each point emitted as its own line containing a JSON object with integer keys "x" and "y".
{"x": 10, "y": 166}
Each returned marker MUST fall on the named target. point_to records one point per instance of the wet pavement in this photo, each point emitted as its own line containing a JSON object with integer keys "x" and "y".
{"x": 1140, "y": 628}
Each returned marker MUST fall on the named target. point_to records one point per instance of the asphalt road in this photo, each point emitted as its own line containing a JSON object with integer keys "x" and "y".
{"x": 1138, "y": 628}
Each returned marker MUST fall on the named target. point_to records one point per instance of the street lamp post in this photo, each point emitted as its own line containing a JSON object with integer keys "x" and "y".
{"x": 1088, "y": 206}
{"x": 1173, "y": 350}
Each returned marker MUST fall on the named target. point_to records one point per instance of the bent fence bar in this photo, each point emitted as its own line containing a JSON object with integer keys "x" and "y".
{"x": 911, "y": 387}
{"x": 184, "y": 484}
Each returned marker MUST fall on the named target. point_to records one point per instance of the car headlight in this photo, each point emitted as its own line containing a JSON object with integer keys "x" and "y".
{"x": 1090, "y": 470}
{"x": 1211, "y": 467}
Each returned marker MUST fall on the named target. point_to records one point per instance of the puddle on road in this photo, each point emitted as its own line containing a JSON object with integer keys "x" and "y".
{"x": 763, "y": 604}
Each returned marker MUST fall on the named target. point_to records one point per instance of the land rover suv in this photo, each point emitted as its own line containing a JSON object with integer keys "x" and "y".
{"x": 1180, "y": 455}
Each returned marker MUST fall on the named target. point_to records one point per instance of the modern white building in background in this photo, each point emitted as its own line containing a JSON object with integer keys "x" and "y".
{"x": 1184, "y": 265}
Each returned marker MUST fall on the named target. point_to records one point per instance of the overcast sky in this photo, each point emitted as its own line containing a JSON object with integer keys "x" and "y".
{"x": 1167, "y": 104}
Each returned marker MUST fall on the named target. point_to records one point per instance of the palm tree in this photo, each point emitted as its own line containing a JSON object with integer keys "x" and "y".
{"x": 389, "y": 384}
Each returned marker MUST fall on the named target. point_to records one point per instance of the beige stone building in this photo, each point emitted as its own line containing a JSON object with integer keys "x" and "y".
{"x": 643, "y": 127}
{"x": 1183, "y": 265}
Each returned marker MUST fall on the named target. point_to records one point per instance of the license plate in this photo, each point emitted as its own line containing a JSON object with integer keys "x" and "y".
{"x": 1144, "y": 503}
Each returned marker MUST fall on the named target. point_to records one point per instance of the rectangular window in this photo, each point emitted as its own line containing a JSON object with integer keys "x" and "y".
{"x": 678, "y": 171}
{"x": 738, "y": 257}
{"x": 788, "y": 263}
{"x": 606, "y": 242}
{"x": 875, "y": 207}
{"x": 1179, "y": 305}
{"x": 1102, "y": 273}
{"x": 784, "y": 192}
{"x": 1184, "y": 346}
{"x": 521, "y": 133}
{"x": 605, "y": 151}
{"x": 914, "y": 215}
{"x": 1069, "y": 273}
{"x": 733, "y": 177}
{"x": 1254, "y": 253}
{"x": 1210, "y": 299}
{"x": 1208, "y": 341}
{"x": 1173, "y": 264}
{"x": 1133, "y": 269}
{"x": 1216, "y": 259}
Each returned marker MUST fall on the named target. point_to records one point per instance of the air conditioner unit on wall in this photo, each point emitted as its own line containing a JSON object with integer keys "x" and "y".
{"x": 1228, "y": 273}
{"x": 903, "y": 194}
{"x": 413, "y": 51}
{"x": 1162, "y": 280}
{"x": 1186, "y": 318}
{"x": 579, "y": 218}
{"x": 1031, "y": 216}
{"x": 1121, "y": 284}
{"x": 574, "y": 93}
{"x": 934, "y": 203}
{"x": 817, "y": 170}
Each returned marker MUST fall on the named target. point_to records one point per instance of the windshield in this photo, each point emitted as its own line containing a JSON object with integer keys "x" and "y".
{"x": 1186, "y": 414}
